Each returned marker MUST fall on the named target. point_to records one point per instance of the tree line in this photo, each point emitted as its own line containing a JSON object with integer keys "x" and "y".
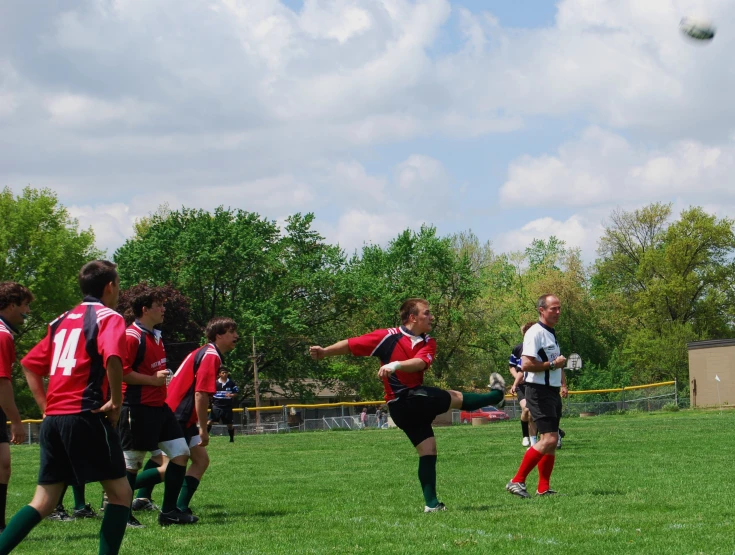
{"x": 660, "y": 280}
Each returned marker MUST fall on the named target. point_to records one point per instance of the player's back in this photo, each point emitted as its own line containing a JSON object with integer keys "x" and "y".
{"x": 74, "y": 356}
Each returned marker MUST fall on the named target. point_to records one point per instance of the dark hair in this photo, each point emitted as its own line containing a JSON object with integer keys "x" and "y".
{"x": 94, "y": 277}
{"x": 541, "y": 303}
{"x": 145, "y": 297}
{"x": 14, "y": 293}
{"x": 217, "y": 326}
{"x": 223, "y": 369}
{"x": 411, "y": 307}
{"x": 525, "y": 327}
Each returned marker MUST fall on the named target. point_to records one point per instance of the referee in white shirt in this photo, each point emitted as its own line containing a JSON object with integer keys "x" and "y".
{"x": 545, "y": 385}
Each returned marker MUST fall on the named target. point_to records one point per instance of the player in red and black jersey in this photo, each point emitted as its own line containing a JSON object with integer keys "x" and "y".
{"x": 14, "y": 308}
{"x": 188, "y": 396}
{"x": 405, "y": 353}
{"x": 146, "y": 421}
{"x": 82, "y": 356}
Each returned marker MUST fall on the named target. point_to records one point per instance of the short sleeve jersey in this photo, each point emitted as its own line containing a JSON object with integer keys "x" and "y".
{"x": 7, "y": 349}
{"x": 396, "y": 344}
{"x": 74, "y": 356}
{"x": 145, "y": 355}
{"x": 198, "y": 372}
{"x": 540, "y": 343}
{"x": 220, "y": 397}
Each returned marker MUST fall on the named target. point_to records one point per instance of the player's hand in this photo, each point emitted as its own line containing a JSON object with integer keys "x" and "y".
{"x": 204, "y": 436}
{"x": 317, "y": 353}
{"x": 513, "y": 389}
{"x": 560, "y": 362}
{"x": 160, "y": 378}
{"x": 564, "y": 391}
{"x": 387, "y": 369}
{"x": 111, "y": 410}
{"x": 18, "y": 433}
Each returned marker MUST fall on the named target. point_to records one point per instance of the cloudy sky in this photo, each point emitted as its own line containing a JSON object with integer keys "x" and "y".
{"x": 376, "y": 115}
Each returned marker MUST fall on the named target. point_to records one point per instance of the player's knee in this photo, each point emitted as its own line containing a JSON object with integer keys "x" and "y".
{"x": 134, "y": 460}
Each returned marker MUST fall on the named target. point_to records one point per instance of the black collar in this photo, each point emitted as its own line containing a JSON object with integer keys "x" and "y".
{"x": 547, "y": 328}
{"x": 10, "y": 326}
{"x": 91, "y": 299}
{"x": 141, "y": 326}
{"x": 221, "y": 356}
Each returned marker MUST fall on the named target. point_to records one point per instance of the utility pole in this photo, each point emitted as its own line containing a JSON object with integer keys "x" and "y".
{"x": 255, "y": 384}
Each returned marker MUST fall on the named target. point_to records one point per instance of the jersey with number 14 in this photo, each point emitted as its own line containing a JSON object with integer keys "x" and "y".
{"x": 74, "y": 356}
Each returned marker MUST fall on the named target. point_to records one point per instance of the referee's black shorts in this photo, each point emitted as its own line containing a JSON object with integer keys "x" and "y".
{"x": 521, "y": 392}
{"x": 4, "y": 437}
{"x": 142, "y": 427}
{"x": 544, "y": 403}
{"x": 416, "y": 409}
{"x": 79, "y": 448}
{"x": 221, "y": 414}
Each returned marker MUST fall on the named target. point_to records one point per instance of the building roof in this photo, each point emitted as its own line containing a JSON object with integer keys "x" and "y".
{"x": 711, "y": 343}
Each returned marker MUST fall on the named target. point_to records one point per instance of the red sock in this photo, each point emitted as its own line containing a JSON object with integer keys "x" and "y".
{"x": 545, "y": 466}
{"x": 529, "y": 462}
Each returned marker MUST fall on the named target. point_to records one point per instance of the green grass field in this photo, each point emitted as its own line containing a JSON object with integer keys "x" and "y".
{"x": 644, "y": 483}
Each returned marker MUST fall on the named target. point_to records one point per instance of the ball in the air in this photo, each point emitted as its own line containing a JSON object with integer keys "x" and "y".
{"x": 696, "y": 28}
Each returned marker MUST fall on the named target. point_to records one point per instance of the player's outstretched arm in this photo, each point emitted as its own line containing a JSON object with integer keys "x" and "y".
{"x": 339, "y": 348}
{"x": 35, "y": 384}
{"x": 136, "y": 378}
{"x": 7, "y": 402}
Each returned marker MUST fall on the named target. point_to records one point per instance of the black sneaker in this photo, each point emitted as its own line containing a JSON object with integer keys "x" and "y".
{"x": 134, "y": 522}
{"x": 517, "y": 488}
{"x": 60, "y": 514}
{"x": 85, "y": 512}
{"x": 177, "y": 517}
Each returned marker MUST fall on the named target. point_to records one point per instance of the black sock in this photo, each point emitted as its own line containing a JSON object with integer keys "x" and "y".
{"x": 113, "y": 528}
{"x": 232, "y": 435}
{"x": 427, "y": 478}
{"x": 18, "y": 528}
{"x": 172, "y": 483}
{"x": 524, "y": 428}
{"x": 146, "y": 492}
{"x": 3, "y": 502}
{"x": 209, "y": 428}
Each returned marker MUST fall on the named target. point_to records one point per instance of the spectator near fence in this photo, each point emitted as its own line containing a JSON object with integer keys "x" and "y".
{"x": 222, "y": 403}
{"x": 405, "y": 353}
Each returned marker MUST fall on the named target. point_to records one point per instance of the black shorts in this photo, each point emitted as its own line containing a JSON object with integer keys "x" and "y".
{"x": 142, "y": 427}
{"x": 221, "y": 414}
{"x": 79, "y": 448}
{"x": 415, "y": 410}
{"x": 544, "y": 403}
{"x": 4, "y": 437}
{"x": 521, "y": 392}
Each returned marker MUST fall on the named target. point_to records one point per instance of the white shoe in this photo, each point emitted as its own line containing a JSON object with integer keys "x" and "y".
{"x": 497, "y": 382}
{"x": 439, "y": 507}
{"x": 526, "y": 441}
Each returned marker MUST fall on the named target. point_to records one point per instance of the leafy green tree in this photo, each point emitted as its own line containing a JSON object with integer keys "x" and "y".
{"x": 44, "y": 250}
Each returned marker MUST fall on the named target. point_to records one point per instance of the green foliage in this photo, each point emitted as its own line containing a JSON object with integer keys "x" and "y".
{"x": 44, "y": 250}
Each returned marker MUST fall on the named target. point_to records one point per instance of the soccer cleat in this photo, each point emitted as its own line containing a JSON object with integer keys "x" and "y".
{"x": 547, "y": 492}
{"x": 60, "y": 514}
{"x": 558, "y": 443}
{"x": 526, "y": 441}
{"x": 176, "y": 517}
{"x": 439, "y": 507}
{"x": 561, "y": 433}
{"x": 104, "y": 501}
{"x": 517, "y": 488}
{"x": 143, "y": 504}
{"x": 497, "y": 382}
{"x": 134, "y": 522}
{"x": 85, "y": 512}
